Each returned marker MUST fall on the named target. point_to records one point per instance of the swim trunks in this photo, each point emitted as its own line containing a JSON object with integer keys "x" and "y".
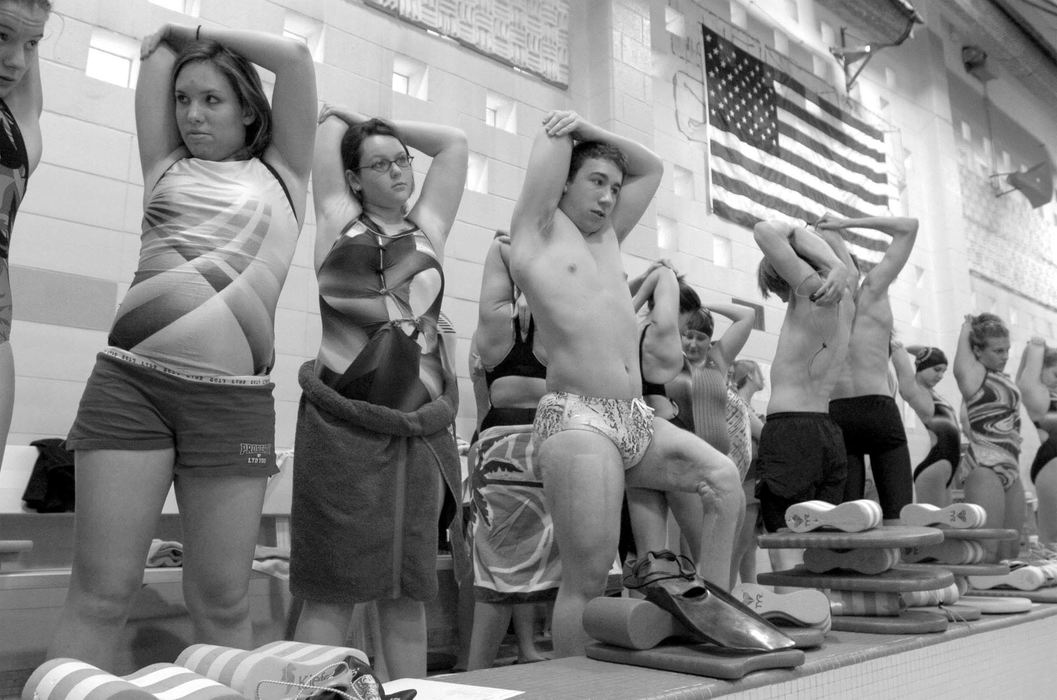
{"x": 628, "y": 423}
{"x": 801, "y": 458}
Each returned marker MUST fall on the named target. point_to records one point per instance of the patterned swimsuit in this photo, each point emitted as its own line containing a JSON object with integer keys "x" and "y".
{"x": 218, "y": 238}
{"x": 14, "y": 172}
{"x": 389, "y": 288}
{"x": 994, "y": 421}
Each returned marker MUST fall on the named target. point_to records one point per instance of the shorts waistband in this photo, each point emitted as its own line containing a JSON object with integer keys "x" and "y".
{"x": 227, "y": 380}
{"x": 796, "y": 414}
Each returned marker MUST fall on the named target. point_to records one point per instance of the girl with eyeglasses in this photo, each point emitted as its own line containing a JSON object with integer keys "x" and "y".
{"x": 374, "y": 440}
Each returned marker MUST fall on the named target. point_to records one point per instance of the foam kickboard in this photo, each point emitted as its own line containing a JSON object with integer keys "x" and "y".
{"x": 992, "y": 603}
{"x": 1039, "y": 595}
{"x": 907, "y": 622}
{"x": 698, "y": 659}
{"x": 966, "y": 569}
{"x": 980, "y": 534}
{"x": 805, "y": 637}
{"x": 895, "y": 580}
{"x": 885, "y": 536}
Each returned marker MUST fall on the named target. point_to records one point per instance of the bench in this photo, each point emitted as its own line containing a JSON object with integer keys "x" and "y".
{"x": 36, "y": 550}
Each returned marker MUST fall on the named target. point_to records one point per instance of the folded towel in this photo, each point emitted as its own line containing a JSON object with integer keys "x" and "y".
{"x": 163, "y": 553}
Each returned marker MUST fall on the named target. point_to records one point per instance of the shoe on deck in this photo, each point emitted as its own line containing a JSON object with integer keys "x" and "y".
{"x": 853, "y": 516}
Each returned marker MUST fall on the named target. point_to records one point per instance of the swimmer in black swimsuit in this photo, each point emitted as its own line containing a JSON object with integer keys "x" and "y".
{"x": 917, "y": 385}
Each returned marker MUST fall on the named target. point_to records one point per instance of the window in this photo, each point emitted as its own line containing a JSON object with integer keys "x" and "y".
{"x": 792, "y": 10}
{"x": 667, "y": 234}
{"x": 919, "y": 276}
{"x": 410, "y": 77}
{"x": 113, "y": 58}
{"x": 500, "y": 112}
{"x": 738, "y": 16}
{"x": 186, "y": 7}
{"x": 305, "y": 29}
{"x": 683, "y": 181}
{"x": 721, "y": 251}
{"x": 477, "y": 173}
{"x": 674, "y": 21}
{"x": 827, "y": 34}
{"x": 890, "y": 77}
{"x": 967, "y": 132}
{"x": 915, "y": 316}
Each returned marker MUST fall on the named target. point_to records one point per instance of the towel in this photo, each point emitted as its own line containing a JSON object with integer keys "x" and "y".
{"x": 364, "y": 512}
{"x": 165, "y": 553}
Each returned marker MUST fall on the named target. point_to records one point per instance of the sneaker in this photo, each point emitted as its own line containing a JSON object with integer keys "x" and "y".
{"x": 870, "y": 561}
{"x": 957, "y": 515}
{"x": 853, "y": 516}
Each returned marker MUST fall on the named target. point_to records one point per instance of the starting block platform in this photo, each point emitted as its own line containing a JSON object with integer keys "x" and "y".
{"x": 996, "y": 656}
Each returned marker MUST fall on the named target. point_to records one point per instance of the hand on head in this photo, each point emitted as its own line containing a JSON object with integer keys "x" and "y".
{"x": 151, "y": 42}
{"x": 831, "y": 291}
{"x": 562, "y": 123}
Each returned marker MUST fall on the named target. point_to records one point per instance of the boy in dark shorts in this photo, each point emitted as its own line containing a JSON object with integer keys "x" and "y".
{"x": 802, "y": 453}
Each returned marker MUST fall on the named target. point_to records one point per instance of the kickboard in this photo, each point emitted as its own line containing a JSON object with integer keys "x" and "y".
{"x": 805, "y": 637}
{"x": 965, "y": 569}
{"x": 1039, "y": 595}
{"x": 980, "y": 534}
{"x": 879, "y": 537}
{"x": 907, "y": 622}
{"x": 994, "y": 602}
{"x": 956, "y": 612}
{"x": 895, "y": 580}
{"x": 698, "y": 659}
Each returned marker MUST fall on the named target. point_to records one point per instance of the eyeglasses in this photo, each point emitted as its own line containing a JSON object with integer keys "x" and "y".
{"x": 382, "y": 165}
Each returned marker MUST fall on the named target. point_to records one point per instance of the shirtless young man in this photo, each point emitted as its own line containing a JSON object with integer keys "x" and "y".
{"x": 862, "y": 402}
{"x": 802, "y": 454}
{"x": 593, "y": 430}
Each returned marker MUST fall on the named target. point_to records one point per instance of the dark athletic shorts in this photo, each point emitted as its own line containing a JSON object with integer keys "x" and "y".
{"x": 870, "y": 424}
{"x": 218, "y": 426}
{"x": 801, "y": 458}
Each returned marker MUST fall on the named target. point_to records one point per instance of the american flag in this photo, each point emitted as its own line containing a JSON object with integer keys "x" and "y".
{"x": 779, "y": 151}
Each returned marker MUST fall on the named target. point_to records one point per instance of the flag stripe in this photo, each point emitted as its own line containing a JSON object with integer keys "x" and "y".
{"x": 830, "y": 131}
{"x": 775, "y": 177}
{"x": 808, "y": 141}
{"x": 783, "y": 206}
